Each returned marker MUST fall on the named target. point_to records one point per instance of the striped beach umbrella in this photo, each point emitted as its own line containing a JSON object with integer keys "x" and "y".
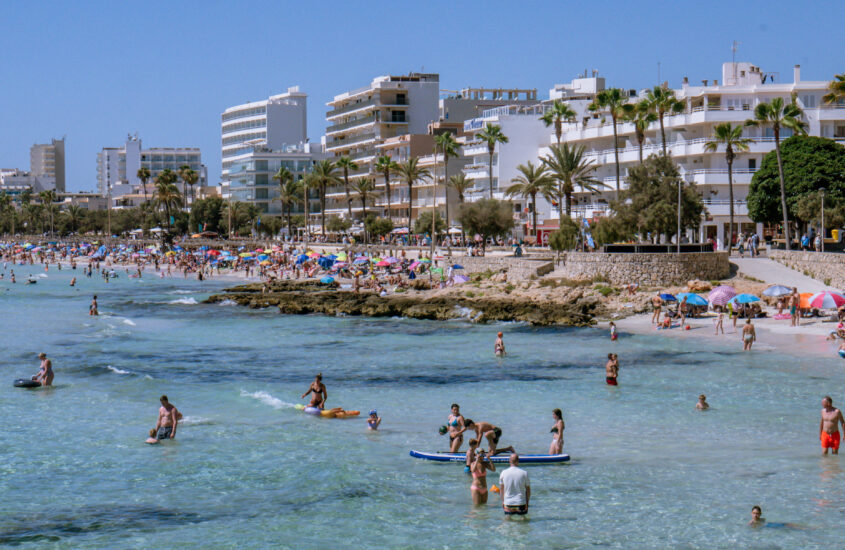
{"x": 827, "y": 300}
{"x": 721, "y": 295}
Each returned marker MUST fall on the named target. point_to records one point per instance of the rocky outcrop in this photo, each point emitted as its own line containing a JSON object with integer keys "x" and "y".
{"x": 304, "y": 298}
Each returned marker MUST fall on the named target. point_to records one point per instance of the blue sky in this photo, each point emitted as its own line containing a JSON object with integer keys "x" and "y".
{"x": 96, "y": 71}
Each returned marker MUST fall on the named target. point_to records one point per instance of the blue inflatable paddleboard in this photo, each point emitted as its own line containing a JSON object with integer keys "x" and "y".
{"x": 498, "y": 459}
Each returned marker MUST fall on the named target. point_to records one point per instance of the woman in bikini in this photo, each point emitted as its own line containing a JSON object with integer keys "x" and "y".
{"x": 456, "y": 426}
{"x": 478, "y": 489}
{"x": 557, "y": 439}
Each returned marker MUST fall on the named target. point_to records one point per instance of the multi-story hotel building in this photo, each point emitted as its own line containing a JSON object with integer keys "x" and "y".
{"x": 47, "y": 161}
{"x": 742, "y": 87}
{"x": 117, "y": 167}
{"x": 361, "y": 120}
{"x": 276, "y": 122}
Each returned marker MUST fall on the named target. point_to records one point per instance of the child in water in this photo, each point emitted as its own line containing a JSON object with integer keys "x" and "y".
{"x": 613, "y": 334}
{"x": 702, "y": 404}
{"x": 373, "y": 421}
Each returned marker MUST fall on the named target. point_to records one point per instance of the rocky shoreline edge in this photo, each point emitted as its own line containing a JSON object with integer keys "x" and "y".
{"x": 576, "y": 309}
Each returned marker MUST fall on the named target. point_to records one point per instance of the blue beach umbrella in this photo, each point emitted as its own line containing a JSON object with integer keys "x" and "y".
{"x": 457, "y": 266}
{"x": 302, "y": 258}
{"x": 692, "y": 298}
{"x": 327, "y": 280}
{"x": 744, "y": 299}
{"x": 668, "y": 297}
{"x": 777, "y": 290}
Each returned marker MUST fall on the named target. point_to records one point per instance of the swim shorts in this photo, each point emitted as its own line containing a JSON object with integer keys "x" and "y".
{"x": 611, "y": 381}
{"x": 520, "y": 510}
{"x": 497, "y": 432}
{"x": 164, "y": 432}
{"x": 830, "y": 441}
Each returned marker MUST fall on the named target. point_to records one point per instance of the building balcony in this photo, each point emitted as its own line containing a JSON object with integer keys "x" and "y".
{"x": 678, "y": 148}
{"x": 370, "y": 119}
{"x": 721, "y": 207}
{"x": 351, "y": 108}
{"x": 718, "y": 176}
{"x": 475, "y": 149}
{"x": 348, "y": 142}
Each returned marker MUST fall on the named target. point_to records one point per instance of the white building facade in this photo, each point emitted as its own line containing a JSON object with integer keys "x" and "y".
{"x": 47, "y": 162}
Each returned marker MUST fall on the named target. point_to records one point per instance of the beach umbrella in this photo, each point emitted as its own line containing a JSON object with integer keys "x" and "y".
{"x": 245, "y": 255}
{"x": 827, "y": 300}
{"x": 265, "y": 262}
{"x": 668, "y": 297}
{"x": 692, "y": 298}
{"x": 327, "y": 280}
{"x": 259, "y": 250}
{"x": 342, "y": 256}
{"x": 413, "y": 265}
{"x": 313, "y": 255}
{"x": 457, "y": 266}
{"x": 301, "y": 258}
{"x": 361, "y": 260}
{"x": 340, "y": 264}
{"x": 213, "y": 252}
{"x": 777, "y": 290}
{"x": 804, "y": 302}
{"x": 425, "y": 261}
{"x": 263, "y": 257}
{"x": 458, "y": 279}
{"x": 720, "y": 295}
{"x": 325, "y": 263}
{"x": 392, "y": 260}
{"x": 744, "y": 299}
{"x": 382, "y": 263}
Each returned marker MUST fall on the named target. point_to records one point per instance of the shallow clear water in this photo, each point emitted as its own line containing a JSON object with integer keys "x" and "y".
{"x": 247, "y": 470}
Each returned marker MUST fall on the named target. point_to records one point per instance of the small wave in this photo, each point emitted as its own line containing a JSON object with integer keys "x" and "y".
{"x": 129, "y": 322}
{"x": 184, "y": 301}
{"x": 196, "y": 421}
{"x": 42, "y": 275}
{"x": 117, "y": 370}
{"x": 182, "y": 292}
{"x": 228, "y": 303}
{"x": 268, "y": 399}
{"x": 148, "y": 377}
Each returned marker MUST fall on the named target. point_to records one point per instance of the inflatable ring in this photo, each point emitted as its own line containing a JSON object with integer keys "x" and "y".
{"x": 24, "y": 383}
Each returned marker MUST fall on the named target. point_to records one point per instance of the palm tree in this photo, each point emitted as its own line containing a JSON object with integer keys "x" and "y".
{"x": 449, "y": 149}
{"x": 310, "y": 181}
{"x": 285, "y": 178}
{"x": 326, "y": 175}
{"x": 364, "y": 188}
{"x": 780, "y": 114}
{"x": 346, "y": 164}
{"x": 47, "y": 199}
{"x": 182, "y": 170}
{"x": 569, "y": 167}
{"x": 837, "y": 90}
{"x": 167, "y": 195}
{"x": 144, "y": 175}
{"x": 662, "y": 101}
{"x": 411, "y": 172}
{"x": 731, "y": 137}
{"x": 7, "y": 207}
{"x": 491, "y": 134}
{"x": 613, "y": 101}
{"x": 461, "y": 184}
{"x": 559, "y": 113}
{"x": 385, "y": 164}
{"x": 533, "y": 180}
{"x": 190, "y": 178}
{"x": 75, "y": 214}
{"x": 641, "y": 116}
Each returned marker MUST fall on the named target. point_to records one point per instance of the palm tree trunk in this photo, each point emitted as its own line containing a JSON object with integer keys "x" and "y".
{"x": 730, "y": 158}
{"x": 662, "y": 133}
{"x": 616, "y": 155}
{"x": 323, "y": 209}
{"x": 410, "y": 206}
{"x": 490, "y": 172}
{"x": 641, "y": 150}
{"x": 568, "y": 204}
{"x": 307, "y": 225}
{"x": 348, "y": 197}
{"x": 534, "y": 216}
{"x": 782, "y": 191}
{"x": 387, "y": 193}
{"x": 558, "y": 130}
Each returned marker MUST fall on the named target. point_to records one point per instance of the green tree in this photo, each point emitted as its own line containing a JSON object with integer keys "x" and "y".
{"x": 650, "y": 203}
{"x": 346, "y": 164}
{"x": 47, "y": 199}
{"x": 424, "y": 223}
{"x": 533, "y": 180}
{"x": 74, "y": 215}
{"x": 809, "y": 164}
{"x": 779, "y": 114}
{"x": 7, "y": 209}
{"x": 385, "y": 165}
{"x": 609, "y": 230}
{"x": 189, "y": 178}
{"x": 310, "y": 181}
{"x": 461, "y": 184}
{"x": 565, "y": 238}
{"x": 412, "y": 172}
{"x": 337, "y": 224}
{"x": 641, "y": 116}
{"x": 207, "y": 214}
{"x": 290, "y": 191}
{"x": 836, "y": 90}
{"x": 614, "y": 102}
{"x": 808, "y": 208}
{"x": 662, "y": 101}
{"x": 491, "y": 135}
{"x": 559, "y": 113}
{"x": 569, "y": 168}
{"x": 364, "y": 189}
{"x": 731, "y": 137}
{"x": 378, "y": 226}
{"x": 144, "y": 175}
{"x": 449, "y": 149}
{"x": 325, "y": 173}
{"x": 487, "y": 217}
{"x": 167, "y": 195}
{"x": 270, "y": 225}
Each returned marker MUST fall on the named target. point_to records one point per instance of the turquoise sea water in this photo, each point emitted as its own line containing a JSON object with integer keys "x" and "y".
{"x": 249, "y": 471}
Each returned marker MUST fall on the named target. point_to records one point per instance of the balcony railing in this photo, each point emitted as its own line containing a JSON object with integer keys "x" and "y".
{"x": 351, "y": 107}
{"x": 657, "y": 147}
{"x": 351, "y": 124}
{"x": 350, "y": 141}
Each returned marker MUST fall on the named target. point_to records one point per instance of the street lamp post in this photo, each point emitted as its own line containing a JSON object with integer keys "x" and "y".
{"x": 108, "y": 206}
{"x": 678, "y": 238}
{"x": 822, "y": 235}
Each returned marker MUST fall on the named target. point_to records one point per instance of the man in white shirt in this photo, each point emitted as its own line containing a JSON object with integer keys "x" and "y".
{"x": 515, "y": 488}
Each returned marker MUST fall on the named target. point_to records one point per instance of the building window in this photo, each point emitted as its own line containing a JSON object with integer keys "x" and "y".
{"x": 752, "y": 164}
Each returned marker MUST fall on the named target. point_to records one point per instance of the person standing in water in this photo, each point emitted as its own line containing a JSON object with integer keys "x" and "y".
{"x": 613, "y": 334}
{"x": 515, "y": 488}
{"x": 168, "y": 420}
{"x": 491, "y": 432}
{"x": 320, "y": 396}
{"x": 455, "y": 426}
{"x": 611, "y": 369}
{"x": 499, "y": 346}
{"x": 702, "y": 404}
{"x": 557, "y": 439}
{"x": 479, "y": 468}
{"x": 829, "y": 426}
{"x": 45, "y": 374}
{"x": 373, "y": 421}
{"x": 748, "y": 335}
{"x": 720, "y": 323}
{"x": 92, "y": 309}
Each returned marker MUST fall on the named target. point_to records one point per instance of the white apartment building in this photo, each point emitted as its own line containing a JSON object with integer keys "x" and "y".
{"x": 742, "y": 87}
{"x": 14, "y": 182}
{"x": 117, "y": 167}
{"x": 47, "y": 162}
{"x": 469, "y": 103}
{"x": 276, "y": 122}
{"x": 360, "y": 120}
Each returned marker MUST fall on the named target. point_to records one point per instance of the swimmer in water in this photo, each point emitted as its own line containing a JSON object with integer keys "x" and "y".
{"x": 557, "y": 439}
{"x": 320, "y": 396}
{"x": 829, "y": 426}
{"x": 702, "y": 404}
{"x": 45, "y": 375}
{"x": 373, "y": 421}
{"x": 73, "y": 282}
{"x": 757, "y": 519}
{"x": 499, "y": 346}
{"x": 612, "y": 370}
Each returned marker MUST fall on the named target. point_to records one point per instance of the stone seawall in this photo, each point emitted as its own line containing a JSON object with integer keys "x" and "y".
{"x": 827, "y": 267}
{"x": 647, "y": 269}
{"x": 518, "y": 269}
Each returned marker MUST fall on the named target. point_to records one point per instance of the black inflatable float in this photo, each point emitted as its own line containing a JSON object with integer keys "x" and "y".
{"x": 24, "y": 383}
